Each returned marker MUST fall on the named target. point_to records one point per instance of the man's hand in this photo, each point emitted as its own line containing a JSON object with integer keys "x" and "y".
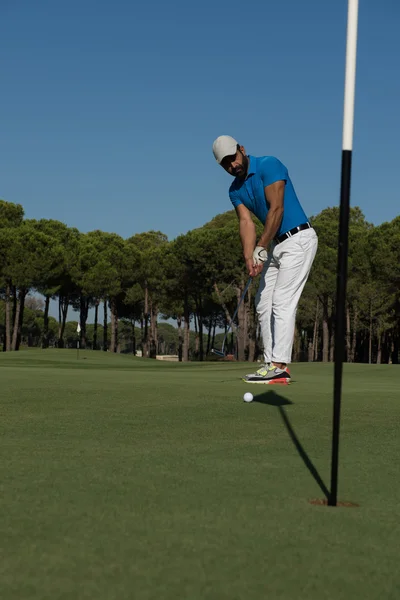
{"x": 255, "y": 263}
{"x": 253, "y": 270}
{"x": 260, "y": 255}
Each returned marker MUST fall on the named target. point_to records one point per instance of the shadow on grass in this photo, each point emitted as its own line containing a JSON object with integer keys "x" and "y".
{"x": 274, "y": 399}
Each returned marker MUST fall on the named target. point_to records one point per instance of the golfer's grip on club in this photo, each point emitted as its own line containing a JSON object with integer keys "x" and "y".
{"x": 256, "y": 262}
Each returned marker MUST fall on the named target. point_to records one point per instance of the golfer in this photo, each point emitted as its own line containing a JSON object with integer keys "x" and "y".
{"x": 283, "y": 254}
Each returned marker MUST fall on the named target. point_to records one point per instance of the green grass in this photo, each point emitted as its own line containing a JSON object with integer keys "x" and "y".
{"x": 126, "y": 478}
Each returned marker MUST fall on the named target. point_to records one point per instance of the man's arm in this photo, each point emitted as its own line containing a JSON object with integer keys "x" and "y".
{"x": 274, "y": 195}
{"x": 247, "y": 232}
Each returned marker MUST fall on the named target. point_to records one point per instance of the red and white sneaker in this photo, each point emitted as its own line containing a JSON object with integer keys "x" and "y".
{"x": 268, "y": 374}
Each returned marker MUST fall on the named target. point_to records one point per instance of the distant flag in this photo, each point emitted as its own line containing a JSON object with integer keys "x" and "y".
{"x": 78, "y": 328}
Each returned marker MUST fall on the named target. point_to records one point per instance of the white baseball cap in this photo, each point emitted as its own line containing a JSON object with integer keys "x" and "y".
{"x": 224, "y": 145}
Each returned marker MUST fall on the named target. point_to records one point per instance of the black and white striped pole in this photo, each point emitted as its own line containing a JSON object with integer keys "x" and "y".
{"x": 340, "y": 328}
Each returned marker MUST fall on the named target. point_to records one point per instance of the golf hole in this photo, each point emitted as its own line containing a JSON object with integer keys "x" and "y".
{"x": 324, "y": 502}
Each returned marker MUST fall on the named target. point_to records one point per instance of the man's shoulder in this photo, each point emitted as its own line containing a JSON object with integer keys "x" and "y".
{"x": 269, "y": 161}
{"x": 270, "y": 167}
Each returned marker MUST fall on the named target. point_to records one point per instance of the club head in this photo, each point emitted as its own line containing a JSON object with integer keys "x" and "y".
{"x": 218, "y": 353}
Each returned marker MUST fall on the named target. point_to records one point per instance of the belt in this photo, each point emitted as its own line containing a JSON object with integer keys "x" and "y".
{"x": 291, "y": 232}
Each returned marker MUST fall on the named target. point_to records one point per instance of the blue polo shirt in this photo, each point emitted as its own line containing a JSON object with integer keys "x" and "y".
{"x": 263, "y": 171}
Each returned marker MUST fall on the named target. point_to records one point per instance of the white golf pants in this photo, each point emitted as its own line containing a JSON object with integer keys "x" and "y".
{"x": 282, "y": 282}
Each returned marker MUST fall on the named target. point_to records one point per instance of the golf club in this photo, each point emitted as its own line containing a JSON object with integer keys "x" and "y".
{"x": 221, "y": 353}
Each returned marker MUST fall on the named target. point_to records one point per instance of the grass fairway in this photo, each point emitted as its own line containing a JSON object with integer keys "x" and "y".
{"x": 126, "y": 478}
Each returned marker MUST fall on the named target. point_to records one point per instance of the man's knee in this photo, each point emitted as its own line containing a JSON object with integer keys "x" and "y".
{"x": 284, "y": 307}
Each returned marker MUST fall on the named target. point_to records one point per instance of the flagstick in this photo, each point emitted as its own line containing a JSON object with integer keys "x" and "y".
{"x": 340, "y": 324}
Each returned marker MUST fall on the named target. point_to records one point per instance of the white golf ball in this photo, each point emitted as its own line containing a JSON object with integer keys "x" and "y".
{"x": 248, "y": 397}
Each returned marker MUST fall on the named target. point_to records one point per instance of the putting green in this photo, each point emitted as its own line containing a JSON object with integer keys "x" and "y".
{"x": 127, "y": 478}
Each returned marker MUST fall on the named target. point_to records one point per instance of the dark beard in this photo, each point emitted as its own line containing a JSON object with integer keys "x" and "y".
{"x": 241, "y": 172}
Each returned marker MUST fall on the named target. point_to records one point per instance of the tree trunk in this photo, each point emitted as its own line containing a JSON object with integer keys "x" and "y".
{"x": 259, "y": 344}
{"x": 354, "y": 337}
{"x": 332, "y": 345}
{"x": 316, "y": 348}
{"x": 45, "y": 338}
{"x": 133, "y": 337}
{"x": 196, "y": 341}
{"x": 379, "y": 354}
{"x": 240, "y": 334}
{"x": 325, "y": 332}
{"x": 114, "y": 325}
{"x": 15, "y": 298}
{"x": 96, "y": 318}
{"x": 7, "y": 321}
{"x": 18, "y": 315}
{"x": 153, "y": 331}
{"x": 252, "y": 329}
{"x": 213, "y": 332}
{"x": 294, "y": 357}
{"x": 370, "y": 335}
{"x": 209, "y": 335}
{"x": 313, "y": 355}
{"x": 59, "y": 321}
{"x": 15, "y": 325}
{"x": 386, "y": 348}
{"x": 395, "y": 352}
{"x": 113, "y": 343}
{"x": 252, "y": 350}
{"x": 296, "y": 345}
{"x": 23, "y": 293}
{"x": 186, "y": 340}
{"x": 105, "y": 327}
{"x": 226, "y": 311}
{"x": 63, "y": 303}
{"x": 180, "y": 338}
{"x": 246, "y": 325}
{"x": 390, "y": 353}
{"x": 186, "y": 335}
{"x": 200, "y": 319}
{"x": 348, "y": 347}
{"x": 84, "y": 308}
{"x": 145, "y": 339}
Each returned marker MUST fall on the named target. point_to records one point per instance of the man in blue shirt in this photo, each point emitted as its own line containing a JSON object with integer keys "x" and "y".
{"x": 284, "y": 253}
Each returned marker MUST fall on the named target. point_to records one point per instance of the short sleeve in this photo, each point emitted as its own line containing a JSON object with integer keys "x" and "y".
{"x": 234, "y": 198}
{"x": 272, "y": 170}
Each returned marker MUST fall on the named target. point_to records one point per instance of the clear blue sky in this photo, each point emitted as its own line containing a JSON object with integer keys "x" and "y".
{"x": 109, "y": 109}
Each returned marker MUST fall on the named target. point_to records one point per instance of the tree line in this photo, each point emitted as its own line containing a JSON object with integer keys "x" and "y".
{"x": 129, "y": 337}
{"x": 195, "y": 280}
